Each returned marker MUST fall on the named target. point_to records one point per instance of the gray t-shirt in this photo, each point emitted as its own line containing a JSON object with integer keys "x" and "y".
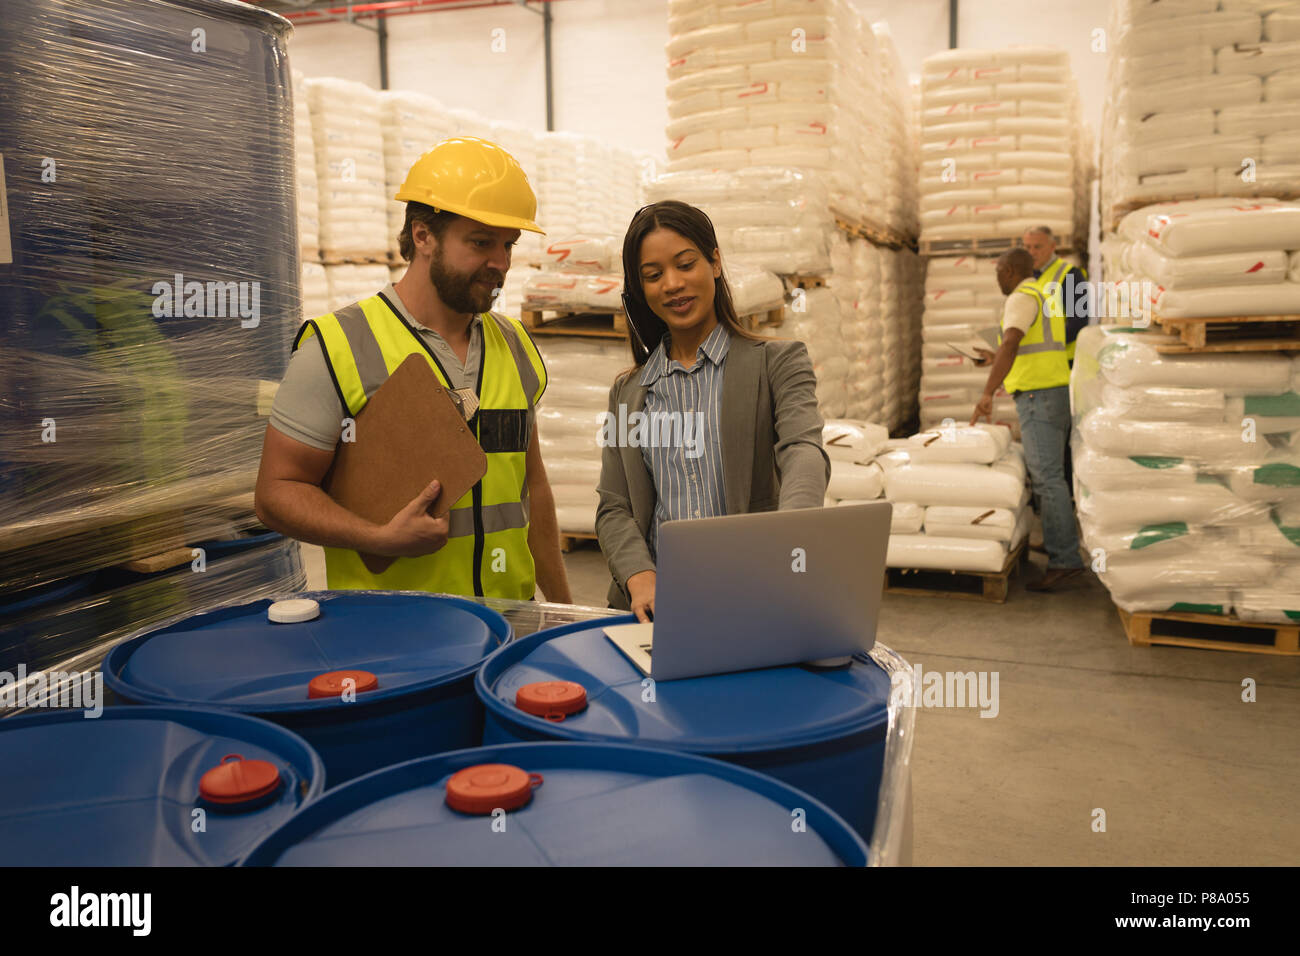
{"x": 307, "y": 408}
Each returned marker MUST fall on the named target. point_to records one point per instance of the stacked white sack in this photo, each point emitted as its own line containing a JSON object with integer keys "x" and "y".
{"x": 1208, "y": 257}
{"x": 1187, "y": 474}
{"x": 413, "y": 124}
{"x": 584, "y": 186}
{"x": 961, "y": 298}
{"x": 350, "y": 171}
{"x": 304, "y": 152}
{"x": 1001, "y": 147}
{"x": 786, "y": 83}
{"x": 773, "y": 218}
{"x": 315, "y": 291}
{"x": 1203, "y": 99}
{"x": 901, "y": 197}
{"x": 580, "y": 373}
{"x": 351, "y": 283}
{"x": 971, "y": 481}
{"x": 816, "y": 319}
{"x": 524, "y": 145}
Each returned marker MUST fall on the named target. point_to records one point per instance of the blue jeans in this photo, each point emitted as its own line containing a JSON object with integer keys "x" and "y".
{"x": 1045, "y": 433}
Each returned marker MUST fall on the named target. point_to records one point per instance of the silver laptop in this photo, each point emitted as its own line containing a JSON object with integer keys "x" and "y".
{"x": 762, "y": 590}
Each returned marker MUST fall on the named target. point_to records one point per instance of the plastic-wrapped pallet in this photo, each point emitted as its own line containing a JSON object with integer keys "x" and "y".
{"x": 354, "y": 199}
{"x": 968, "y": 485}
{"x": 1203, "y": 100}
{"x": 580, "y": 372}
{"x": 1001, "y": 145}
{"x": 816, "y": 320}
{"x": 1210, "y": 257}
{"x": 412, "y": 124}
{"x": 1187, "y": 474}
{"x": 305, "y": 173}
{"x": 351, "y": 283}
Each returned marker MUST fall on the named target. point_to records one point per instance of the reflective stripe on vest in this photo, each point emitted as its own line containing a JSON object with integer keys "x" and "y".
{"x": 1040, "y": 358}
{"x": 487, "y": 545}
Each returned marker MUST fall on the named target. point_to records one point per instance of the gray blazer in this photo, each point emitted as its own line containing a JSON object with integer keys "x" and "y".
{"x": 772, "y": 454}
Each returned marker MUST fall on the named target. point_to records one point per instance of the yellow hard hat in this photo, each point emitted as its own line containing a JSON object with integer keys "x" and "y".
{"x": 475, "y": 179}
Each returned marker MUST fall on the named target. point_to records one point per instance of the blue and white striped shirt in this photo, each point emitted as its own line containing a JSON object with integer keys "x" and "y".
{"x": 685, "y": 403}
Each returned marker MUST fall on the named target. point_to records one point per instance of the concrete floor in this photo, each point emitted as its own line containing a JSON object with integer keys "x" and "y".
{"x": 1159, "y": 738}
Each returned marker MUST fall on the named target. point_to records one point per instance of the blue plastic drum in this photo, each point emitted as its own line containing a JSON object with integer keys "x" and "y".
{"x": 819, "y": 730}
{"x": 591, "y": 805}
{"x": 419, "y": 651}
{"x": 125, "y": 788}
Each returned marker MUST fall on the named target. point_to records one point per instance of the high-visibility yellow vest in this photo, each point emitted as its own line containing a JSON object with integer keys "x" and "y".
{"x": 486, "y": 553}
{"x": 1040, "y": 359}
{"x": 1055, "y": 272}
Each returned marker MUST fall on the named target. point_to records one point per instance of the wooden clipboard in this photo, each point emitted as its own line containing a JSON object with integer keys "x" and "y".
{"x": 409, "y": 433}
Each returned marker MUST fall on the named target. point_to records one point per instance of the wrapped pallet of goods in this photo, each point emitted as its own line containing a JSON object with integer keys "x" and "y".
{"x": 787, "y": 124}
{"x": 351, "y": 175}
{"x": 569, "y": 419}
{"x": 1003, "y": 148}
{"x": 1211, "y": 259}
{"x": 959, "y": 494}
{"x": 304, "y": 152}
{"x": 412, "y": 124}
{"x": 150, "y": 285}
{"x": 1187, "y": 475}
{"x": 1203, "y": 100}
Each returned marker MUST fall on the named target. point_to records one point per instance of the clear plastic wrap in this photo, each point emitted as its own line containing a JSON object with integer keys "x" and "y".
{"x": 149, "y": 184}
{"x": 72, "y": 627}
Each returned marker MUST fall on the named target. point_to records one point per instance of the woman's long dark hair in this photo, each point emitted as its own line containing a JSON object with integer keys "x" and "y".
{"x": 696, "y": 228}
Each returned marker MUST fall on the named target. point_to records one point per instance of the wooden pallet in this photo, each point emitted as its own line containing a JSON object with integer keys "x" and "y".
{"x": 601, "y": 325}
{"x": 876, "y": 233}
{"x": 573, "y": 539}
{"x": 763, "y": 321}
{"x": 804, "y": 281}
{"x": 1232, "y": 333}
{"x": 1210, "y": 632}
{"x": 331, "y": 257}
{"x": 613, "y": 325}
{"x": 986, "y": 246}
{"x": 990, "y": 586}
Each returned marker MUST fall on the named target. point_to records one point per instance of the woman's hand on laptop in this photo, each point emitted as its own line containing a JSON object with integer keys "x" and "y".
{"x": 641, "y": 591}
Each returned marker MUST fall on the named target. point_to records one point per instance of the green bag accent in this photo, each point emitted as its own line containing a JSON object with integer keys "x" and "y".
{"x": 1155, "y": 533}
{"x": 1278, "y": 475}
{"x": 1291, "y": 534}
{"x": 1292, "y": 615}
{"x": 1189, "y": 608}
{"x": 1286, "y": 405}
{"x": 1155, "y": 461}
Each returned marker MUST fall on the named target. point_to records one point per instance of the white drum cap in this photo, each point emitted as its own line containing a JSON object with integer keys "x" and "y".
{"x": 293, "y": 611}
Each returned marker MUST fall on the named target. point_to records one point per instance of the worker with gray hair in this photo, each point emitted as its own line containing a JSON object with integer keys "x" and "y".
{"x": 1030, "y": 363}
{"x": 1066, "y": 283}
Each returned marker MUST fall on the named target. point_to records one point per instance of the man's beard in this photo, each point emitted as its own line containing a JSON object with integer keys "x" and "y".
{"x": 459, "y": 292}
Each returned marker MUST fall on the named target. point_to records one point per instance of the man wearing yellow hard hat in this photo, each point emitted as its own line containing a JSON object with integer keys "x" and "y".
{"x": 466, "y": 202}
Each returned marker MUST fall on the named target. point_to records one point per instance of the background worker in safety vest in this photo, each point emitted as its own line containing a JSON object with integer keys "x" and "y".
{"x": 467, "y": 200}
{"x": 1071, "y": 288}
{"x": 1030, "y": 363}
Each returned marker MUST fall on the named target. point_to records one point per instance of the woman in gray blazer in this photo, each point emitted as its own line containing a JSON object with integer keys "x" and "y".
{"x": 711, "y": 420}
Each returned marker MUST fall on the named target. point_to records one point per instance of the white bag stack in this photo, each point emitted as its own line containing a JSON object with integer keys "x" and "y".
{"x": 961, "y": 298}
{"x": 305, "y": 174}
{"x": 351, "y": 283}
{"x": 1002, "y": 145}
{"x": 315, "y": 291}
{"x": 1203, "y": 100}
{"x": 1208, "y": 257}
{"x": 970, "y": 481}
{"x": 1187, "y": 475}
{"x": 350, "y": 171}
{"x": 580, "y": 374}
{"x": 413, "y": 124}
{"x": 794, "y": 83}
{"x": 959, "y": 497}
